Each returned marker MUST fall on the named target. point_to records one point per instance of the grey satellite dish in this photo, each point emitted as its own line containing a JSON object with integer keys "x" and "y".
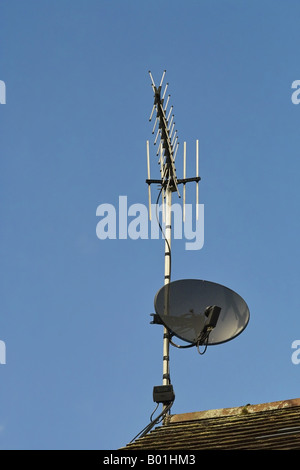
{"x": 201, "y": 312}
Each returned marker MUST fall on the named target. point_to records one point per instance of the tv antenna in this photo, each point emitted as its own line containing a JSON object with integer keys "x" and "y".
{"x": 166, "y": 140}
{"x": 201, "y": 313}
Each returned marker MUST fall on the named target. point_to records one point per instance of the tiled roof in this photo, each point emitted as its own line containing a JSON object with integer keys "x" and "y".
{"x": 273, "y": 426}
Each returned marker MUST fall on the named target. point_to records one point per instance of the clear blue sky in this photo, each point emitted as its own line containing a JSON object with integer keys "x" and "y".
{"x": 82, "y": 357}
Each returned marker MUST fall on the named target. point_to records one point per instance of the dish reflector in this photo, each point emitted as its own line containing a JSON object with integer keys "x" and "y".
{"x": 181, "y": 307}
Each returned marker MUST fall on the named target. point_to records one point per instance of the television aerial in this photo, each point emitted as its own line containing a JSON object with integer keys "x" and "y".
{"x": 199, "y": 312}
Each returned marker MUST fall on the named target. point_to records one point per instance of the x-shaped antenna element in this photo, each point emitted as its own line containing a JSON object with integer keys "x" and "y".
{"x": 168, "y": 140}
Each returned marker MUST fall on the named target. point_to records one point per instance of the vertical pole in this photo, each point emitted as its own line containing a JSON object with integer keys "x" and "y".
{"x": 168, "y": 232}
{"x": 148, "y": 173}
{"x": 197, "y": 174}
{"x": 184, "y": 176}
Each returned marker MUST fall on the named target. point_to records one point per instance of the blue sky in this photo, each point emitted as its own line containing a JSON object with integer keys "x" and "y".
{"x": 82, "y": 357}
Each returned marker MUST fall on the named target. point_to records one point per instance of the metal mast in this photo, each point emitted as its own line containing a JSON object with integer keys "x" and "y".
{"x": 167, "y": 140}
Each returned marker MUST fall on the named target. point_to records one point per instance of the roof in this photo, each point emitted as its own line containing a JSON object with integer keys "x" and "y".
{"x": 273, "y": 426}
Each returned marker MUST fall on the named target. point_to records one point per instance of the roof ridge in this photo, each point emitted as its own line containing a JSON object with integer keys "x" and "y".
{"x": 235, "y": 411}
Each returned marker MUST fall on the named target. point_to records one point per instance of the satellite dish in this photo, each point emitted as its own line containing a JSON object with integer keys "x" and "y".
{"x": 201, "y": 312}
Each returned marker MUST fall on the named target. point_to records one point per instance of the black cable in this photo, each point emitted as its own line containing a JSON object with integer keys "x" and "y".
{"x": 161, "y": 229}
{"x": 149, "y": 426}
{"x": 153, "y": 412}
{"x": 197, "y": 344}
{"x": 206, "y": 338}
{"x": 170, "y": 338}
{"x": 181, "y": 346}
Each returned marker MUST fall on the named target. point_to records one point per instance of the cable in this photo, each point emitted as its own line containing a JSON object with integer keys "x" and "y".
{"x": 197, "y": 344}
{"x": 201, "y": 340}
{"x": 203, "y": 352}
{"x": 160, "y": 227}
{"x": 157, "y": 420}
{"x": 181, "y": 346}
{"x": 153, "y": 412}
